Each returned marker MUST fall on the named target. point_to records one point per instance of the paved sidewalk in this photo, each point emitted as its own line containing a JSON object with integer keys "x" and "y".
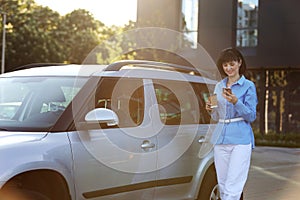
{"x": 274, "y": 174}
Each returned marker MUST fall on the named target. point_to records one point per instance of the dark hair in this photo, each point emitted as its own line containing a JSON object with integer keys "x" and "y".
{"x": 231, "y": 54}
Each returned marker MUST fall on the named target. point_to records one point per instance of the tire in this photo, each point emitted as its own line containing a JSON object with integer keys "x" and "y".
{"x": 209, "y": 187}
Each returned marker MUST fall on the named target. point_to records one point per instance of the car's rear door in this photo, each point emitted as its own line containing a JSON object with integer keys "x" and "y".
{"x": 181, "y": 131}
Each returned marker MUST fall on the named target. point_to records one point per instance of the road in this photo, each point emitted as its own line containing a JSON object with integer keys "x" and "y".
{"x": 274, "y": 174}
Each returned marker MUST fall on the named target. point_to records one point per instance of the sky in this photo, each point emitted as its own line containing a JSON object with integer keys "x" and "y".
{"x": 110, "y": 12}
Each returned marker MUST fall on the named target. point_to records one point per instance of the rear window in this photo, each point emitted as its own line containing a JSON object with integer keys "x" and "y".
{"x": 181, "y": 102}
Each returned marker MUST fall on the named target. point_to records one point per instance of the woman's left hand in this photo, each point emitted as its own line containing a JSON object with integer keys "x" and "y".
{"x": 230, "y": 97}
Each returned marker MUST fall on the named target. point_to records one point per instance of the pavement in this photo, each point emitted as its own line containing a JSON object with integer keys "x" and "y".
{"x": 274, "y": 174}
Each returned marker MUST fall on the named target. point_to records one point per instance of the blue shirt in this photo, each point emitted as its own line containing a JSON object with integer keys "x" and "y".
{"x": 239, "y": 132}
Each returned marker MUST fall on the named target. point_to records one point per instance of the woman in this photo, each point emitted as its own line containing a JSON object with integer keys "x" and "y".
{"x": 235, "y": 111}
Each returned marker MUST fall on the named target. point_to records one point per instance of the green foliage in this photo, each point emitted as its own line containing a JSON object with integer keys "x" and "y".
{"x": 28, "y": 37}
{"x": 276, "y": 139}
{"x": 78, "y": 32}
{"x": 36, "y": 34}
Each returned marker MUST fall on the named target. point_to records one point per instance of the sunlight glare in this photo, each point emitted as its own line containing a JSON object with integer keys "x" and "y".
{"x": 112, "y": 12}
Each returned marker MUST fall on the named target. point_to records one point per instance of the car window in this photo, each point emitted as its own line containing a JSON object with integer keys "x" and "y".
{"x": 125, "y": 96}
{"x": 8, "y": 109}
{"x": 56, "y": 105}
{"x": 201, "y": 92}
{"x": 35, "y": 102}
{"x": 169, "y": 107}
{"x": 181, "y": 102}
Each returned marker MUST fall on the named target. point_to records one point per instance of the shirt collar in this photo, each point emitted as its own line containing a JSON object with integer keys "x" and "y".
{"x": 240, "y": 81}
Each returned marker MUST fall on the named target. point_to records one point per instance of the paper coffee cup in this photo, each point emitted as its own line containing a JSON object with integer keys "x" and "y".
{"x": 213, "y": 100}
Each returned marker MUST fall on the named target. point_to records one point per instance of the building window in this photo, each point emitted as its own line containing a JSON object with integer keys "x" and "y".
{"x": 247, "y": 23}
{"x": 189, "y": 22}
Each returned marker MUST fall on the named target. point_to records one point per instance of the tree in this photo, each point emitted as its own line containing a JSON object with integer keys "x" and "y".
{"x": 78, "y": 33}
{"x": 113, "y": 45}
{"x": 37, "y": 34}
{"x": 29, "y": 33}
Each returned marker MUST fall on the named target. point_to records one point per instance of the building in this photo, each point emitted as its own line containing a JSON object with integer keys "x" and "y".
{"x": 268, "y": 34}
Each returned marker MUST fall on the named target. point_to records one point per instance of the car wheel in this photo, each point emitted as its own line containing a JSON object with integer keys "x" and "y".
{"x": 215, "y": 193}
{"x": 209, "y": 187}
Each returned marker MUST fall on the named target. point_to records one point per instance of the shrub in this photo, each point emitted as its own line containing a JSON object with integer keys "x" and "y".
{"x": 277, "y": 139}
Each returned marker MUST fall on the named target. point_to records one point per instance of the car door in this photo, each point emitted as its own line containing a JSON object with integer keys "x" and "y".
{"x": 182, "y": 128}
{"x": 116, "y": 162}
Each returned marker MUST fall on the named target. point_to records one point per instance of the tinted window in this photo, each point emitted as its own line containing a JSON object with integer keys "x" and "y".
{"x": 202, "y": 93}
{"x": 169, "y": 107}
{"x": 125, "y": 96}
{"x": 181, "y": 102}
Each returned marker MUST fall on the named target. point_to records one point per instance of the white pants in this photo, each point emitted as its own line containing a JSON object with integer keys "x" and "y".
{"x": 232, "y": 165}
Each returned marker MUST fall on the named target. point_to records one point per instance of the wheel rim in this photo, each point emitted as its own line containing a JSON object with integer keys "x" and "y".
{"x": 215, "y": 193}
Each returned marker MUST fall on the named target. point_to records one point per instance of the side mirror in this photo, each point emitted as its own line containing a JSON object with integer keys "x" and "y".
{"x": 102, "y": 115}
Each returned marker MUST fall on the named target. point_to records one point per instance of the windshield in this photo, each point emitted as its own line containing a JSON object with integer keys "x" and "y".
{"x": 35, "y": 103}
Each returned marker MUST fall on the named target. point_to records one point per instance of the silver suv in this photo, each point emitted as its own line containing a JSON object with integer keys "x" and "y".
{"x": 129, "y": 130}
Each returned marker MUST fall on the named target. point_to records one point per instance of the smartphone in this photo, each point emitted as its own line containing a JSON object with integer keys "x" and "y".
{"x": 228, "y": 90}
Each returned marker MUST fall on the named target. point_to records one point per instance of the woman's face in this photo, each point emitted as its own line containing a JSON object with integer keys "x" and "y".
{"x": 231, "y": 68}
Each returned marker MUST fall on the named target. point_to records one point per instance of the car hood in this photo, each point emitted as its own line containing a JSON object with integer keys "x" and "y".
{"x": 8, "y": 138}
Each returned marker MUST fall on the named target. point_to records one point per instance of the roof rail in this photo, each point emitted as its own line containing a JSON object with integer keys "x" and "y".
{"x": 33, "y": 65}
{"x": 116, "y": 66}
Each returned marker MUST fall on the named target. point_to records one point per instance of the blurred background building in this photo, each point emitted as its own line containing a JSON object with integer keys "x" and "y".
{"x": 266, "y": 31}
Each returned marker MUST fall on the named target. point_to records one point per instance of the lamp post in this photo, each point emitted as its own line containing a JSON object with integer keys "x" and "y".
{"x": 3, "y": 41}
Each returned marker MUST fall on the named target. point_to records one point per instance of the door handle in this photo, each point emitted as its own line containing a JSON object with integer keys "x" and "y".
{"x": 202, "y": 139}
{"x": 147, "y": 145}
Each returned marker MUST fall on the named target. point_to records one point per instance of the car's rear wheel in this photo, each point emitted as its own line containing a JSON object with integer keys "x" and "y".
{"x": 209, "y": 187}
{"x": 215, "y": 193}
